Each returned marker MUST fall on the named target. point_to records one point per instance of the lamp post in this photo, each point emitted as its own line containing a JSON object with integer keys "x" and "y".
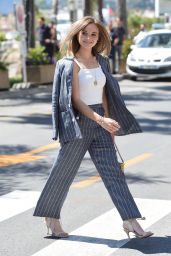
{"x": 20, "y": 22}
{"x": 157, "y": 11}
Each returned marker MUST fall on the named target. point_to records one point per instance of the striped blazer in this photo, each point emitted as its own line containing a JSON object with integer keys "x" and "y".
{"x": 64, "y": 117}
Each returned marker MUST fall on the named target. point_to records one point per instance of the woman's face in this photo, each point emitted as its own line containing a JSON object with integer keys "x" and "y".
{"x": 88, "y": 37}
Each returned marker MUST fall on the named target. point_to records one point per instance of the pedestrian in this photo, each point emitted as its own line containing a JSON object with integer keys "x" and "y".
{"x": 87, "y": 111}
{"x": 141, "y": 34}
{"x": 45, "y": 38}
{"x": 53, "y": 39}
{"x": 113, "y": 37}
{"x": 120, "y": 35}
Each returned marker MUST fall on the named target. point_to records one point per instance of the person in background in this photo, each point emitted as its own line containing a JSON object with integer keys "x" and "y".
{"x": 45, "y": 38}
{"x": 141, "y": 34}
{"x": 53, "y": 37}
{"x": 120, "y": 35}
{"x": 113, "y": 37}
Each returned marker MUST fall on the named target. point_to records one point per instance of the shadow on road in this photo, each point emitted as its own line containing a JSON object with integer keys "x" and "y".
{"x": 151, "y": 96}
{"x": 163, "y": 88}
{"x": 149, "y": 245}
{"x": 37, "y": 119}
{"x": 26, "y": 97}
{"x": 140, "y": 179}
{"x": 159, "y": 125}
{"x": 152, "y": 245}
{"x": 157, "y": 122}
{"x": 24, "y": 175}
{"x": 20, "y": 176}
{"x": 152, "y": 121}
{"x": 32, "y": 175}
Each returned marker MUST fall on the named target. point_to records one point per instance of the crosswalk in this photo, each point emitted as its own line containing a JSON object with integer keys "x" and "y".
{"x": 101, "y": 236}
{"x": 17, "y": 202}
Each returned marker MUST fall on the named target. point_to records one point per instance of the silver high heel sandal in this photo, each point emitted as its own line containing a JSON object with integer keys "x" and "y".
{"x": 128, "y": 228}
{"x": 55, "y": 226}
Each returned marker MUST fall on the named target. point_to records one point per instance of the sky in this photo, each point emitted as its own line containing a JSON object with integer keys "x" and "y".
{"x": 6, "y": 6}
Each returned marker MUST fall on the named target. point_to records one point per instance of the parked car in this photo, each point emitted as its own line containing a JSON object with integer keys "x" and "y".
{"x": 151, "y": 57}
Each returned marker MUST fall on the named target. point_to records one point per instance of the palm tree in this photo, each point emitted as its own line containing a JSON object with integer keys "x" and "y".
{"x": 88, "y": 9}
{"x": 30, "y": 22}
{"x": 100, "y": 6}
{"x": 55, "y": 7}
{"x": 122, "y": 6}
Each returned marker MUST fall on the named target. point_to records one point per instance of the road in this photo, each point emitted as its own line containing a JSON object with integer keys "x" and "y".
{"x": 26, "y": 156}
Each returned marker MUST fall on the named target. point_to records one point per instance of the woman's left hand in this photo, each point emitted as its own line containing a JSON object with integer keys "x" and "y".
{"x": 110, "y": 125}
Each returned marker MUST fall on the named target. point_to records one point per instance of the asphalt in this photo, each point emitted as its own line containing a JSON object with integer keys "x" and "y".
{"x": 26, "y": 122}
{"x": 28, "y": 85}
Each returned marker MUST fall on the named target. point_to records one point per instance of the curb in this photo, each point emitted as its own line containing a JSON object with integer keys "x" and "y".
{"x": 28, "y": 85}
{"x": 120, "y": 77}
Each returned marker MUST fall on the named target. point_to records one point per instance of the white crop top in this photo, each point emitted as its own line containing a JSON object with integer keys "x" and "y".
{"x": 91, "y": 83}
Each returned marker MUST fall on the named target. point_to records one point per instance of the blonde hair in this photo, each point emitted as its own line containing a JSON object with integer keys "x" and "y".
{"x": 70, "y": 45}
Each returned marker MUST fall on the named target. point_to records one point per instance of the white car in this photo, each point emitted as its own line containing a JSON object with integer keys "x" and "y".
{"x": 151, "y": 57}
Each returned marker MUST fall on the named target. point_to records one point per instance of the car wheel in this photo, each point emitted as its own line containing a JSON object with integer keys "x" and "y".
{"x": 133, "y": 78}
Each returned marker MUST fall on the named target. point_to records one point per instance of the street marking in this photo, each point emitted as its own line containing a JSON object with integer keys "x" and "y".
{"x": 137, "y": 159}
{"x": 87, "y": 182}
{"x": 45, "y": 148}
{"x": 104, "y": 235}
{"x": 17, "y": 202}
{"x": 101, "y": 236}
{"x": 6, "y": 160}
{"x": 94, "y": 179}
{"x": 47, "y": 113}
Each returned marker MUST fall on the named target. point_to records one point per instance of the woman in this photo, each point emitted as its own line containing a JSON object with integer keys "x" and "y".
{"x": 87, "y": 111}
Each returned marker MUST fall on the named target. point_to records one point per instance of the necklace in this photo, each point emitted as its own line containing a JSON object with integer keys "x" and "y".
{"x": 95, "y": 80}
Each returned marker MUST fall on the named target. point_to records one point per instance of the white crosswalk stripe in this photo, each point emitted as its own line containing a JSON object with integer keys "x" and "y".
{"x": 101, "y": 236}
{"x": 17, "y": 202}
{"x": 94, "y": 237}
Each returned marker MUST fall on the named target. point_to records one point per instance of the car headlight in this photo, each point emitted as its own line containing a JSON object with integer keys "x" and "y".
{"x": 167, "y": 59}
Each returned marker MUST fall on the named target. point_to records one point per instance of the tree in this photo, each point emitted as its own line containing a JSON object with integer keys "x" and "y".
{"x": 100, "y": 6}
{"x": 55, "y": 7}
{"x": 30, "y": 23}
{"x": 122, "y": 9}
{"x": 88, "y": 8}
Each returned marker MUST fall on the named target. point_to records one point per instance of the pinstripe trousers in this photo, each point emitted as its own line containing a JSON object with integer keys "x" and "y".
{"x": 101, "y": 149}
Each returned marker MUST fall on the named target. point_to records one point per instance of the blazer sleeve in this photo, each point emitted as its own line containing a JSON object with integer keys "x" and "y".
{"x": 55, "y": 101}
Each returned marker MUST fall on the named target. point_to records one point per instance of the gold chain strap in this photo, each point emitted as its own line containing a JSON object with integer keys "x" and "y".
{"x": 121, "y": 163}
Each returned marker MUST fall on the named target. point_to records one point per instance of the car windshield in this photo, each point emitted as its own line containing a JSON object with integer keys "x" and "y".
{"x": 156, "y": 41}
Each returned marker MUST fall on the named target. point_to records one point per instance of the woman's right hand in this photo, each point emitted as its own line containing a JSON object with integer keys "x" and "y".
{"x": 109, "y": 124}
